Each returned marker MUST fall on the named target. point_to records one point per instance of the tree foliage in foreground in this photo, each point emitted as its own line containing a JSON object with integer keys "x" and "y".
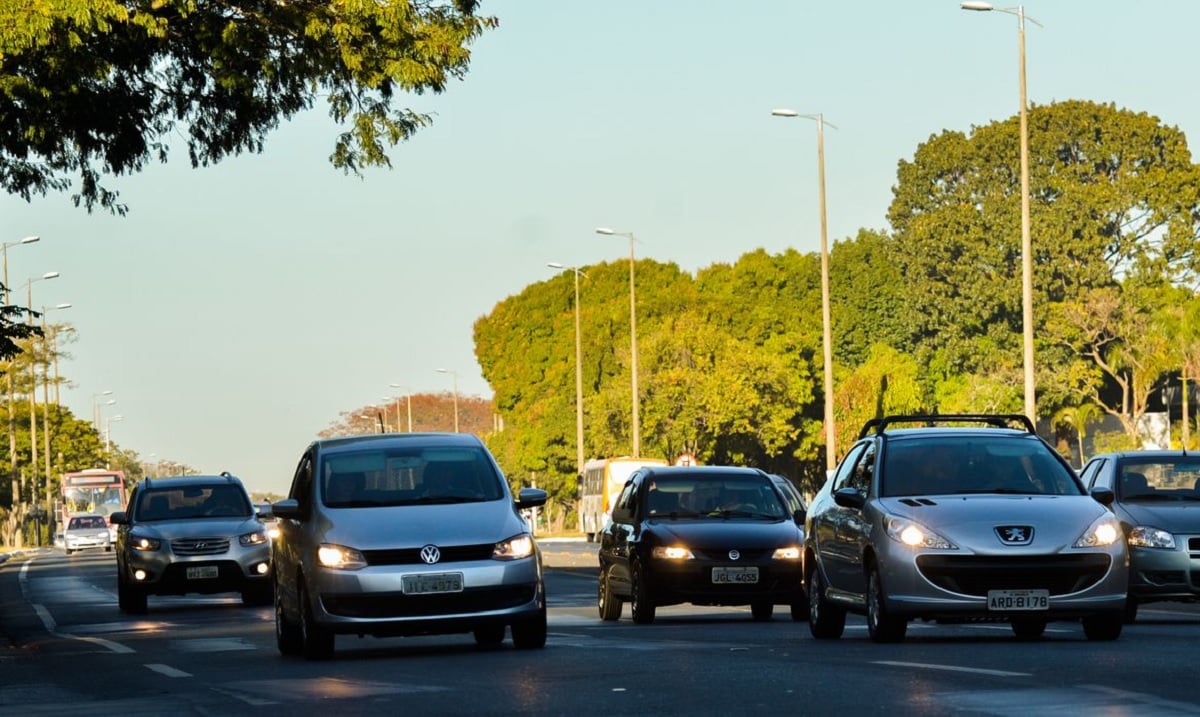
{"x": 99, "y": 87}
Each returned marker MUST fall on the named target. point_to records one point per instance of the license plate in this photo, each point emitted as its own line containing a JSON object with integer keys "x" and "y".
{"x": 1014, "y": 600}
{"x": 432, "y": 583}
{"x": 202, "y": 572}
{"x": 741, "y": 576}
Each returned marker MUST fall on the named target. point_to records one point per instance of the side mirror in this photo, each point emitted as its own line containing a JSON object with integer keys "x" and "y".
{"x": 799, "y": 516}
{"x": 119, "y": 518}
{"x": 289, "y": 508}
{"x": 622, "y": 515}
{"x": 849, "y": 498}
{"x": 531, "y": 498}
{"x": 1104, "y": 496}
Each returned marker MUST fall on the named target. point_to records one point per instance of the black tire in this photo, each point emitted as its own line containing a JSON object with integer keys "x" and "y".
{"x": 288, "y": 636}
{"x": 259, "y": 594}
{"x": 68, "y": 551}
{"x": 826, "y": 621}
{"x": 591, "y": 537}
{"x": 489, "y": 635}
{"x": 108, "y": 548}
{"x": 1028, "y": 628}
{"x": 762, "y": 610}
{"x": 609, "y": 605}
{"x": 1131, "y": 610}
{"x": 530, "y": 634}
{"x": 1103, "y": 627}
{"x": 641, "y": 603}
{"x": 316, "y": 641}
{"x": 799, "y": 608}
{"x": 130, "y": 599}
{"x": 881, "y": 627}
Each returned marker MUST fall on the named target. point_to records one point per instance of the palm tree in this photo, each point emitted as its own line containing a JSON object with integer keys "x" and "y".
{"x": 1077, "y": 418}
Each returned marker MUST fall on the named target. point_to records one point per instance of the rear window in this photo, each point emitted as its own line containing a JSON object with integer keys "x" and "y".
{"x": 949, "y": 465}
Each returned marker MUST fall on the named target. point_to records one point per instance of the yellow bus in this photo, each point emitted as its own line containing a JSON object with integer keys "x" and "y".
{"x": 600, "y": 485}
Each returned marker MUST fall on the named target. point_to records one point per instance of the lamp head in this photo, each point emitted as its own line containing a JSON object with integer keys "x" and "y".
{"x": 605, "y": 231}
{"x": 977, "y": 6}
{"x": 784, "y": 112}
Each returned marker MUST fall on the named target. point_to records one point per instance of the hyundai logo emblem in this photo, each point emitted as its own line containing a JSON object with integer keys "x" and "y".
{"x": 734, "y": 555}
{"x": 1015, "y": 534}
{"x": 430, "y": 554}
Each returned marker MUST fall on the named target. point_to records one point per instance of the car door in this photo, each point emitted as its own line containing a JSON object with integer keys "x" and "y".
{"x": 617, "y": 536}
{"x": 290, "y": 547}
{"x": 850, "y": 528}
{"x": 826, "y": 534}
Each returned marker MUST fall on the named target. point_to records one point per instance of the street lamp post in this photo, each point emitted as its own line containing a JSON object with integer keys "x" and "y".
{"x": 408, "y": 403}
{"x": 1026, "y": 239}
{"x": 96, "y": 407}
{"x": 579, "y": 454}
{"x": 33, "y": 446}
{"x": 12, "y": 422}
{"x": 633, "y": 350}
{"x": 453, "y": 374}
{"x": 108, "y": 431}
{"x": 46, "y": 408}
{"x": 826, "y": 319}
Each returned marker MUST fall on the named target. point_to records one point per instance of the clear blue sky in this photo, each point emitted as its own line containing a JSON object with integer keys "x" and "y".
{"x": 239, "y": 308}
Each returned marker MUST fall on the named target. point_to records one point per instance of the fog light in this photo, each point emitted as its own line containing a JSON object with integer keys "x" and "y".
{"x": 261, "y": 568}
{"x": 139, "y": 575}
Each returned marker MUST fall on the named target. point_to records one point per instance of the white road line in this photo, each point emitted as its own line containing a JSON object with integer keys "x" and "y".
{"x": 168, "y": 670}
{"x": 953, "y": 668}
{"x": 52, "y": 626}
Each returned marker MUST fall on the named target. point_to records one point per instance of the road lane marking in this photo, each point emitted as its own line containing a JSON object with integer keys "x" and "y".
{"x": 168, "y": 671}
{"x": 952, "y": 668}
{"x": 52, "y": 628}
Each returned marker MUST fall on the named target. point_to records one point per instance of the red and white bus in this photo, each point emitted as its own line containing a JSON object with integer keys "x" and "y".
{"x": 96, "y": 491}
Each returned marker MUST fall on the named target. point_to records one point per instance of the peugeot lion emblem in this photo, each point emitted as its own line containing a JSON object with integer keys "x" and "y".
{"x": 734, "y": 555}
{"x": 1015, "y": 534}
{"x": 430, "y": 554}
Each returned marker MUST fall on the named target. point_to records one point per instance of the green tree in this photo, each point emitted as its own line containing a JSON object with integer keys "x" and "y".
{"x": 1077, "y": 418}
{"x": 95, "y": 87}
{"x": 886, "y": 383}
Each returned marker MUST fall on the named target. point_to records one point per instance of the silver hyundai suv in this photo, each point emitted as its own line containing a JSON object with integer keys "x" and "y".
{"x": 191, "y": 534}
{"x": 404, "y": 534}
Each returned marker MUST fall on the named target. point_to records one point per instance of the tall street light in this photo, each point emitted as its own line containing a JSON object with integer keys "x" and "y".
{"x": 96, "y": 407}
{"x": 408, "y": 401}
{"x": 454, "y": 374}
{"x": 826, "y": 321}
{"x": 108, "y": 431}
{"x": 12, "y": 422}
{"x": 578, "y": 368}
{"x": 1026, "y": 240}
{"x": 46, "y": 406}
{"x": 33, "y": 446}
{"x": 633, "y": 350}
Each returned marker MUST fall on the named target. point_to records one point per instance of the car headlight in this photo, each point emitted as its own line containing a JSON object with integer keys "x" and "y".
{"x": 672, "y": 552}
{"x": 1143, "y": 536}
{"x": 141, "y": 542}
{"x": 915, "y": 535}
{"x": 251, "y": 539}
{"x": 515, "y": 548}
{"x": 340, "y": 557}
{"x": 788, "y": 553}
{"x": 1104, "y": 531}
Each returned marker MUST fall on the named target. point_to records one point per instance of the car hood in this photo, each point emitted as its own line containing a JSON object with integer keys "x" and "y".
{"x": 716, "y": 533}
{"x": 199, "y": 528}
{"x": 393, "y": 527}
{"x": 1171, "y": 517}
{"x": 972, "y": 521}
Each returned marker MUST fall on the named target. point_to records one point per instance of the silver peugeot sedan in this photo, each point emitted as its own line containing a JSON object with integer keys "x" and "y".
{"x": 962, "y": 518}
{"x": 404, "y": 534}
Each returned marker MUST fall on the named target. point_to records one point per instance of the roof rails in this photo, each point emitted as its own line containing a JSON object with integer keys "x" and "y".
{"x": 996, "y": 420}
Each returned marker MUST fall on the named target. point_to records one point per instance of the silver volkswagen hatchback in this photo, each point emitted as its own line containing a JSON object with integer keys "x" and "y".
{"x": 404, "y": 534}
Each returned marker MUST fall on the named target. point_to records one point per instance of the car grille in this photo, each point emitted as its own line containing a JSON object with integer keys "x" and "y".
{"x": 200, "y": 546}
{"x": 1164, "y": 577}
{"x": 412, "y": 556}
{"x": 722, "y": 555}
{"x": 976, "y": 575}
{"x": 399, "y": 605}
{"x": 1194, "y": 545}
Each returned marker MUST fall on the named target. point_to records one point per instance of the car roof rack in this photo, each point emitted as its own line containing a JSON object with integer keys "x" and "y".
{"x": 996, "y": 420}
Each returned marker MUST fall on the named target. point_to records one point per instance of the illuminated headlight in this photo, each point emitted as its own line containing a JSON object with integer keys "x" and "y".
{"x": 672, "y": 552}
{"x": 340, "y": 557}
{"x": 1104, "y": 531}
{"x": 272, "y": 531}
{"x": 252, "y": 539}
{"x": 515, "y": 548}
{"x": 1144, "y": 536}
{"x": 792, "y": 553}
{"x": 139, "y": 542}
{"x": 915, "y": 535}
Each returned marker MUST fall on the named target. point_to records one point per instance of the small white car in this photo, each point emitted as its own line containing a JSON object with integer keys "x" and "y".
{"x": 86, "y": 531}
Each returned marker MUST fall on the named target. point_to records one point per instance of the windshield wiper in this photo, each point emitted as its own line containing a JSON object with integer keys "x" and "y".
{"x": 439, "y": 499}
{"x": 744, "y": 514}
{"x": 677, "y": 514}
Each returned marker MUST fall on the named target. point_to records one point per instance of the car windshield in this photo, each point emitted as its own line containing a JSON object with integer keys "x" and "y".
{"x": 1169, "y": 478}
{"x": 408, "y": 476}
{"x": 193, "y": 501}
{"x": 716, "y": 497}
{"x": 956, "y": 464}
{"x": 86, "y": 521}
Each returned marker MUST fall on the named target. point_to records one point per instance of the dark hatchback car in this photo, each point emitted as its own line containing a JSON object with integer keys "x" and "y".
{"x": 1158, "y": 503}
{"x": 711, "y": 535}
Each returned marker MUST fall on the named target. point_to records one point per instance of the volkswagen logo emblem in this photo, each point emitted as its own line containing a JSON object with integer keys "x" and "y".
{"x": 430, "y": 554}
{"x": 1015, "y": 534}
{"x": 734, "y": 555}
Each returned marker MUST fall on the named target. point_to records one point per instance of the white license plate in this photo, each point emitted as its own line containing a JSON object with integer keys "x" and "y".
{"x": 741, "y": 576}
{"x": 1016, "y": 600}
{"x": 432, "y": 583}
{"x": 202, "y": 572}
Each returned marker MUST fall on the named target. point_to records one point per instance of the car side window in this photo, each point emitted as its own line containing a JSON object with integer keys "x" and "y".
{"x": 623, "y": 500}
{"x": 847, "y": 466}
{"x": 1090, "y": 472}
{"x": 302, "y": 482}
{"x": 864, "y": 471}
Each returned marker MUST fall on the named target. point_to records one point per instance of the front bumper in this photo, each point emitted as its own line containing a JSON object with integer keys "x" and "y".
{"x": 162, "y": 572}
{"x": 1158, "y": 574}
{"x": 692, "y": 581}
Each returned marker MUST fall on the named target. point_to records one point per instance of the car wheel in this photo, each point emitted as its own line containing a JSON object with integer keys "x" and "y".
{"x": 1028, "y": 628}
{"x": 316, "y": 641}
{"x": 288, "y": 637}
{"x": 640, "y": 604}
{"x": 489, "y": 635}
{"x": 1131, "y": 610}
{"x": 609, "y": 604}
{"x": 1103, "y": 627}
{"x": 530, "y": 634}
{"x": 881, "y": 626}
{"x": 762, "y": 610}
{"x": 826, "y": 621}
{"x": 130, "y": 599}
{"x": 257, "y": 595}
